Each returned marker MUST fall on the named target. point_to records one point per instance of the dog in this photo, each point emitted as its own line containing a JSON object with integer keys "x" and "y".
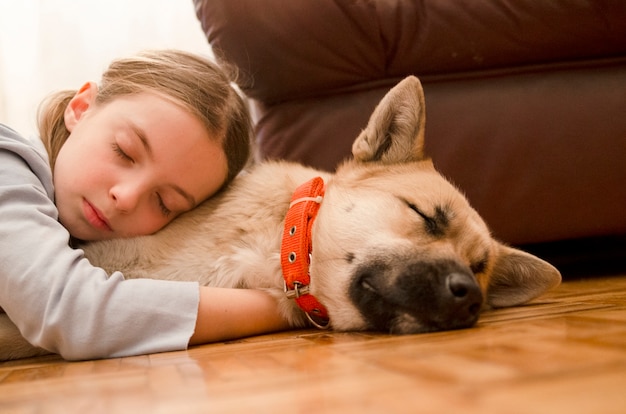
{"x": 384, "y": 244}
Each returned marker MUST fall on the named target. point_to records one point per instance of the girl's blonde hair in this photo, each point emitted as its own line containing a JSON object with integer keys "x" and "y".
{"x": 201, "y": 86}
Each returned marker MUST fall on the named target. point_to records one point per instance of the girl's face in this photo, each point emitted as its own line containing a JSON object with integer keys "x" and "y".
{"x": 132, "y": 165}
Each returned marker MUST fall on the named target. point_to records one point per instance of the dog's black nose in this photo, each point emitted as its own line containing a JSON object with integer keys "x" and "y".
{"x": 465, "y": 295}
{"x": 459, "y": 284}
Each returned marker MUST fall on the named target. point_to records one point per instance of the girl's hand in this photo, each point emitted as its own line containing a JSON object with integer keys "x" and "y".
{"x": 225, "y": 314}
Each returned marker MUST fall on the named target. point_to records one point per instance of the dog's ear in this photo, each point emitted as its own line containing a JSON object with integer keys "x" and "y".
{"x": 395, "y": 131}
{"x": 518, "y": 277}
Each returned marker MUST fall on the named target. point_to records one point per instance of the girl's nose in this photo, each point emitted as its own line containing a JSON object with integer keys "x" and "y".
{"x": 125, "y": 196}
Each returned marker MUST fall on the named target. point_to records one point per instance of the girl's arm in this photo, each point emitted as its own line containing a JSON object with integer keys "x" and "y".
{"x": 235, "y": 313}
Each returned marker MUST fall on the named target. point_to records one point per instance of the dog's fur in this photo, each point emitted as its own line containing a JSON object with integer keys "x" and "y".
{"x": 396, "y": 247}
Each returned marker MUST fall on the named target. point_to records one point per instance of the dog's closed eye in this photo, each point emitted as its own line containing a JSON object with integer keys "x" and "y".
{"x": 436, "y": 224}
{"x": 480, "y": 266}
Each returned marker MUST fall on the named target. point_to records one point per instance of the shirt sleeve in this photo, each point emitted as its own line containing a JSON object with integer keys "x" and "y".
{"x": 55, "y": 297}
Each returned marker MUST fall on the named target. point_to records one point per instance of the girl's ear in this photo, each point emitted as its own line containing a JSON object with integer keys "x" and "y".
{"x": 85, "y": 96}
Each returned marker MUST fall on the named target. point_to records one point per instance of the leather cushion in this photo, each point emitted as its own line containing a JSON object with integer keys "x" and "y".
{"x": 289, "y": 49}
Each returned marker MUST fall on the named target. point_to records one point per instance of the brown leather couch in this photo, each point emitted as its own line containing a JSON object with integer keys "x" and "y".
{"x": 525, "y": 99}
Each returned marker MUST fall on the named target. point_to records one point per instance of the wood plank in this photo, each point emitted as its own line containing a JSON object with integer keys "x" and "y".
{"x": 565, "y": 352}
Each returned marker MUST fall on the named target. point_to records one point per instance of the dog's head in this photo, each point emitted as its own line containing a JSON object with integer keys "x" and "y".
{"x": 397, "y": 248}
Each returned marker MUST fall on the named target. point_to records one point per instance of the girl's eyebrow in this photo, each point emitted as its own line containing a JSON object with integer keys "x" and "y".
{"x": 185, "y": 195}
{"x": 142, "y": 137}
{"x": 146, "y": 145}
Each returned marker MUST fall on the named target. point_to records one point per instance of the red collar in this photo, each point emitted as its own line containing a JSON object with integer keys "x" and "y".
{"x": 296, "y": 248}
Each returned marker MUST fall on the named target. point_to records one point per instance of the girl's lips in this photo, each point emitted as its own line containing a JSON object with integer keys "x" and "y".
{"x": 95, "y": 217}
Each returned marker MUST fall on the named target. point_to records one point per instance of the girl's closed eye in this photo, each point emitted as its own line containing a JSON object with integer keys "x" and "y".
{"x": 121, "y": 153}
{"x": 164, "y": 209}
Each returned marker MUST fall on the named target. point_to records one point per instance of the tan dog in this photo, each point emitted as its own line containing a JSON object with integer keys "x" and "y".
{"x": 395, "y": 247}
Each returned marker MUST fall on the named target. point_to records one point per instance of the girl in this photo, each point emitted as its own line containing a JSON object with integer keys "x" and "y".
{"x": 162, "y": 132}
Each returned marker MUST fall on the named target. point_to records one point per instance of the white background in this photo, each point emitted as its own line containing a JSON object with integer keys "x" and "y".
{"x": 48, "y": 45}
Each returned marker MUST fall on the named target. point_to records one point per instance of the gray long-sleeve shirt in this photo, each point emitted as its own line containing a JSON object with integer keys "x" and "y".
{"x": 57, "y": 299}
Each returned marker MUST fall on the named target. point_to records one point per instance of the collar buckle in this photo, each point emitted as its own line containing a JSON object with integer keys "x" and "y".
{"x": 298, "y": 290}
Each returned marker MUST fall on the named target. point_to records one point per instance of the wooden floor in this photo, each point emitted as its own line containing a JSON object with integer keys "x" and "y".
{"x": 565, "y": 353}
